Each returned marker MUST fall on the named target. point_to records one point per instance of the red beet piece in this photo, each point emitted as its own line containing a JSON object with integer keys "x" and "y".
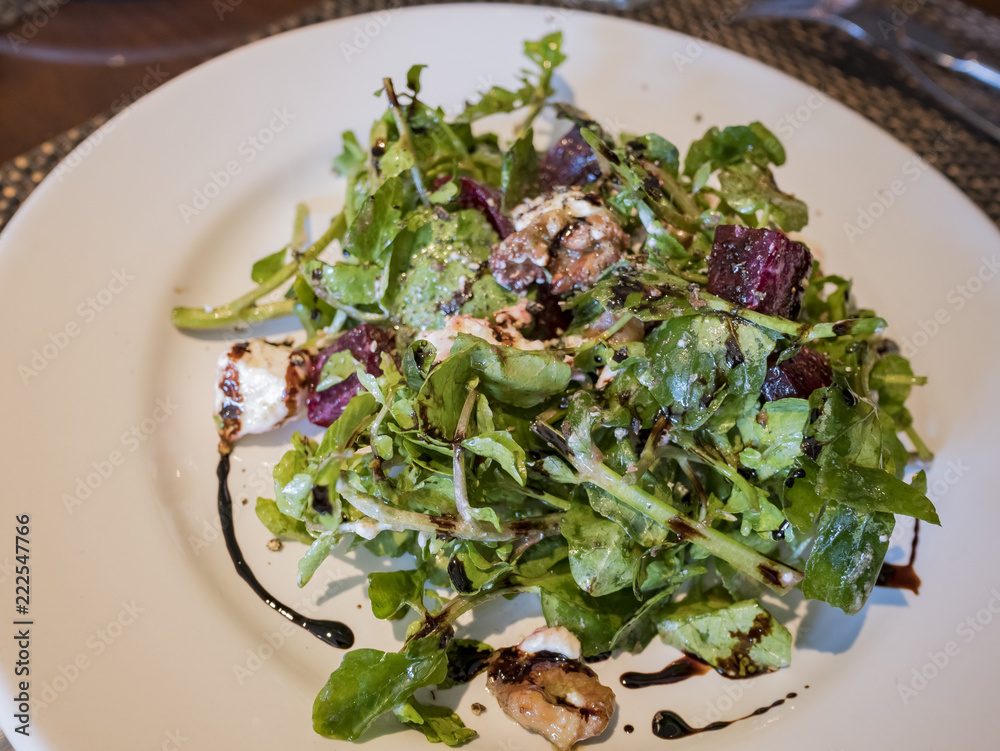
{"x": 758, "y": 269}
{"x": 366, "y": 344}
{"x": 482, "y": 198}
{"x": 797, "y": 377}
{"x": 570, "y": 162}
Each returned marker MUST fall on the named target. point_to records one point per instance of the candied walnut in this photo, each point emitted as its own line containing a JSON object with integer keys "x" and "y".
{"x": 519, "y": 260}
{"x": 556, "y": 696}
{"x": 568, "y": 237}
{"x": 586, "y": 251}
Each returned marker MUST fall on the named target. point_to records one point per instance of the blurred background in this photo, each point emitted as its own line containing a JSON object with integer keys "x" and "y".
{"x": 63, "y": 62}
{"x": 925, "y": 71}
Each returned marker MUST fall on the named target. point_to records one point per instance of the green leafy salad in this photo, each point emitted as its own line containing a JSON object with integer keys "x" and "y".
{"x": 602, "y": 375}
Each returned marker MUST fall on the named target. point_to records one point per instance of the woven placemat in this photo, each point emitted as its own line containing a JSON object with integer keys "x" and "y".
{"x": 867, "y": 81}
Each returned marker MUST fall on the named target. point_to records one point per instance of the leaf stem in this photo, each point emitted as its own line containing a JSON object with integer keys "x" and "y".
{"x": 902, "y": 379}
{"x": 923, "y": 452}
{"x": 400, "y": 520}
{"x": 361, "y": 315}
{"x": 536, "y": 108}
{"x": 774, "y": 574}
{"x": 399, "y": 116}
{"x": 801, "y": 331}
{"x": 677, "y": 192}
{"x": 244, "y": 309}
{"x": 458, "y": 460}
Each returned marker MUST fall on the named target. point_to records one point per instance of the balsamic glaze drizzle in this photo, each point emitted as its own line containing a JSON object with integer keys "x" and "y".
{"x": 670, "y": 725}
{"x": 332, "y": 632}
{"x": 898, "y": 576}
{"x": 677, "y": 671}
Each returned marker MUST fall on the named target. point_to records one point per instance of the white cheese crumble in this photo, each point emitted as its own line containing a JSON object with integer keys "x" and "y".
{"x": 558, "y": 639}
{"x": 444, "y": 339}
{"x": 259, "y": 395}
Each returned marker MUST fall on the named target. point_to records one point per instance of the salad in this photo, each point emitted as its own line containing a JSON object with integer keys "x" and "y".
{"x": 604, "y": 374}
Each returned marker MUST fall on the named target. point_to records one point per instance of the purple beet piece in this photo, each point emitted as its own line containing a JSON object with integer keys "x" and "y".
{"x": 797, "y": 377}
{"x": 482, "y": 198}
{"x": 758, "y": 269}
{"x": 366, "y": 344}
{"x": 570, "y": 162}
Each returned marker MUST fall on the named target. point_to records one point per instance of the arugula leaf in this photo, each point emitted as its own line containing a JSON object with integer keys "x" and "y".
{"x": 444, "y": 259}
{"x": 640, "y": 528}
{"x": 345, "y": 282}
{"x": 392, "y": 593}
{"x": 699, "y": 360}
{"x": 369, "y": 683}
{"x": 352, "y": 158}
{"x": 318, "y": 552}
{"x": 847, "y": 556}
{"x": 659, "y": 151}
{"x": 466, "y": 659}
{"x": 602, "y": 559}
{"x": 893, "y": 378}
{"x": 773, "y": 437}
{"x": 377, "y": 224}
{"x": 280, "y": 525}
{"x": 413, "y": 78}
{"x": 293, "y": 463}
{"x": 869, "y": 489}
{"x": 496, "y": 100}
{"x": 547, "y": 54}
{"x": 801, "y": 503}
{"x": 268, "y": 266}
{"x": 519, "y": 178}
{"x": 438, "y": 724}
{"x": 521, "y": 378}
{"x": 499, "y": 446}
{"x": 312, "y": 312}
{"x": 749, "y": 188}
{"x": 740, "y": 639}
{"x": 338, "y": 367}
{"x": 594, "y": 620}
{"x": 737, "y": 143}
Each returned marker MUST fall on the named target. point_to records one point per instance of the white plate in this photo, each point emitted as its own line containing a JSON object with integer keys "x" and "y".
{"x": 143, "y": 637}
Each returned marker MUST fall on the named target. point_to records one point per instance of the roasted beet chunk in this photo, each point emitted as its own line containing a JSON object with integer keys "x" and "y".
{"x": 570, "y": 162}
{"x": 797, "y": 376}
{"x": 366, "y": 344}
{"x": 758, "y": 269}
{"x": 482, "y": 198}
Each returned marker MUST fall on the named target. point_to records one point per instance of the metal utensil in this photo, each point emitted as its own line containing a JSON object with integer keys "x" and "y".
{"x": 928, "y": 43}
{"x": 872, "y": 23}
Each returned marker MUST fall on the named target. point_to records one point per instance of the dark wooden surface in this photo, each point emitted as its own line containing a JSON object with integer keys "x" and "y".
{"x": 60, "y": 67}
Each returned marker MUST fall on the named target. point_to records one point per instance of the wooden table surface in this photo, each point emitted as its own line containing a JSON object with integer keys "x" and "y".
{"x": 79, "y": 58}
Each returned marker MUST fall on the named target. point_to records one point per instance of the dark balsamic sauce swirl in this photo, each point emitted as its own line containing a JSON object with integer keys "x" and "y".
{"x": 896, "y": 576}
{"x": 677, "y": 671}
{"x": 334, "y": 633}
{"x": 671, "y": 726}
